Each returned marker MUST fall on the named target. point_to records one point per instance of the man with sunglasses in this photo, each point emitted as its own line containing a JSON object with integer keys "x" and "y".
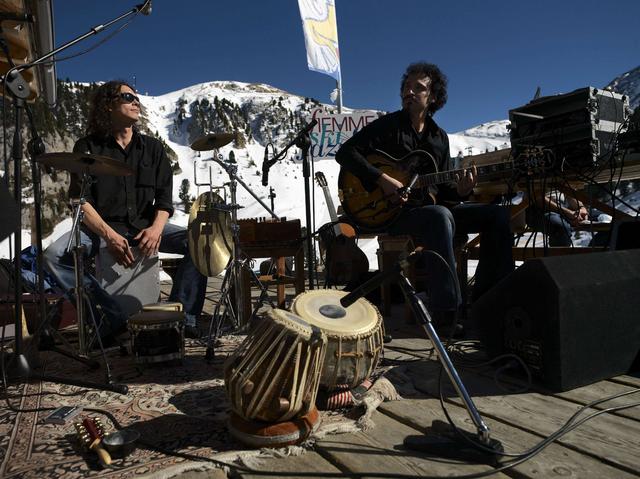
{"x": 126, "y": 211}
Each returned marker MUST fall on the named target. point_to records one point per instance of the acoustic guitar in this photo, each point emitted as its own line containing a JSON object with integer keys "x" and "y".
{"x": 344, "y": 262}
{"x": 371, "y": 210}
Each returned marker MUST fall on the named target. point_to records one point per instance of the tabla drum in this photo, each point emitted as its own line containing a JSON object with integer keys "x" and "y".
{"x": 274, "y": 374}
{"x": 355, "y": 335}
{"x": 157, "y": 336}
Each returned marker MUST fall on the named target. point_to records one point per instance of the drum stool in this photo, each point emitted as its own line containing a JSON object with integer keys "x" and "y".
{"x": 157, "y": 336}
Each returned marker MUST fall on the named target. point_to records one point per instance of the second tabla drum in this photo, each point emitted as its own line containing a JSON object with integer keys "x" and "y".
{"x": 354, "y": 334}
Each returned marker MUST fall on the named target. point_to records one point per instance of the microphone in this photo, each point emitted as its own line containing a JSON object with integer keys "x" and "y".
{"x": 265, "y": 166}
{"x": 308, "y": 128}
{"x": 17, "y": 17}
{"x": 145, "y": 8}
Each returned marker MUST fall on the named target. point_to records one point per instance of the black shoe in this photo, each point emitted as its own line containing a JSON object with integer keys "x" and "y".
{"x": 191, "y": 332}
{"x": 445, "y": 324}
{"x": 387, "y": 338}
{"x": 455, "y": 332}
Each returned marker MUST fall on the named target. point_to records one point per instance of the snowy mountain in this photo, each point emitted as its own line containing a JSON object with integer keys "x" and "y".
{"x": 629, "y": 84}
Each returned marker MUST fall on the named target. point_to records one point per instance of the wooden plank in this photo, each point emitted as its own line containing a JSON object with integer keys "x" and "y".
{"x": 612, "y": 439}
{"x": 601, "y": 390}
{"x": 554, "y": 461}
{"x": 629, "y": 380}
{"x": 380, "y": 451}
{"x": 582, "y": 395}
{"x": 309, "y": 461}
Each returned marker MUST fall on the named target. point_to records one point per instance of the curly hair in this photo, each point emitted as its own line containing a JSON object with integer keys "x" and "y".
{"x": 438, "y": 83}
{"x": 99, "y": 122}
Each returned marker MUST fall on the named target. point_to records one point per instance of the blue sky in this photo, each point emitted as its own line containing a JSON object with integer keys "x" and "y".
{"x": 495, "y": 52}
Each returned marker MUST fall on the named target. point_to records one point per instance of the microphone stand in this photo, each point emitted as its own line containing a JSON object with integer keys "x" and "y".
{"x": 19, "y": 89}
{"x": 432, "y": 444}
{"x": 302, "y": 141}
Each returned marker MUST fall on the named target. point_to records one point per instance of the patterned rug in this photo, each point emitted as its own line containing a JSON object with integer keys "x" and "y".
{"x": 178, "y": 409}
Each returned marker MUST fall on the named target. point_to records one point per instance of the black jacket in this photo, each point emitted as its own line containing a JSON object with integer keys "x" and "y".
{"x": 128, "y": 203}
{"x": 394, "y": 134}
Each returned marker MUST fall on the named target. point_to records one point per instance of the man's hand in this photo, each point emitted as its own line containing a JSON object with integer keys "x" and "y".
{"x": 578, "y": 216}
{"x": 149, "y": 240}
{"x": 390, "y": 187}
{"x": 467, "y": 180}
{"x": 118, "y": 246}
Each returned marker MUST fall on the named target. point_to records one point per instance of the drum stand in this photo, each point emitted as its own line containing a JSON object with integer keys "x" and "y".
{"x": 433, "y": 444}
{"x": 233, "y": 311}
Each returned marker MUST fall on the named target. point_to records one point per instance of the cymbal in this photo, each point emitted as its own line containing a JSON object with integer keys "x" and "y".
{"x": 209, "y": 234}
{"x": 212, "y": 141}
{"x": 85, "y": 163}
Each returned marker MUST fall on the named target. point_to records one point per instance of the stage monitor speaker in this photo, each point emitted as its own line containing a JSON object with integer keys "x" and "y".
{"x": 625, "y": 235}
{"x": 574, "y": 319}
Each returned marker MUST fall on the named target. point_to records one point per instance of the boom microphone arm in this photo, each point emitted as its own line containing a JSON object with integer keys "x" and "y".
{"x": 268, "y": 163}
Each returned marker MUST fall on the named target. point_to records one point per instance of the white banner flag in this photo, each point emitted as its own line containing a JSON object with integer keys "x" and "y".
{"x": 321, "y": 36}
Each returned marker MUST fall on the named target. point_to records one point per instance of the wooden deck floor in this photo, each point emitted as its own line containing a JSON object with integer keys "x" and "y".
{"x": 607, "y": 446}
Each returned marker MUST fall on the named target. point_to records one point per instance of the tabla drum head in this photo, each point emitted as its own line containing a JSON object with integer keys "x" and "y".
{"x": 322, "y": 308}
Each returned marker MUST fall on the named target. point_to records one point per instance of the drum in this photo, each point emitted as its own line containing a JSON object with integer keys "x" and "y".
{"x": 274, "y": 374}
{"x": 355, "y": 335}
{"x": 157, "y": 336}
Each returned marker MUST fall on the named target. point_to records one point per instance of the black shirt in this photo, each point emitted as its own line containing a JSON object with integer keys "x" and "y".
{"x": 128, "y": 203}
{"x": 394, "y": 134}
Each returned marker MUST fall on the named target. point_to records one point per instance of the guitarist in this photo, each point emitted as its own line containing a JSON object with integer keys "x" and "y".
{"x": 423, "y": 91}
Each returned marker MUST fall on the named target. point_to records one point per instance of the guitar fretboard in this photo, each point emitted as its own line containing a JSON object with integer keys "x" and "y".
{"x": 485, "y": 173}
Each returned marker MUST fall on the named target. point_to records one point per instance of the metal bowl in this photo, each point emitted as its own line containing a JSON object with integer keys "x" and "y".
{"x": 121, "y": 443}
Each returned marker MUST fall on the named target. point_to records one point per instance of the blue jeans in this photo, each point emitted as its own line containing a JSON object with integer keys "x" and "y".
{"x": 189, "y": 285}
{"x": 434, "y": 227}
{"x": 552, "y": 224}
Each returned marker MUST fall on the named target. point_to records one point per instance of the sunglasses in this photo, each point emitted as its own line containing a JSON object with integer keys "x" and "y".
{"x": 128, "y": 97}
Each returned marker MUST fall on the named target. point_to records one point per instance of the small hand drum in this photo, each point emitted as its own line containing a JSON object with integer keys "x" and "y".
{"x": 274, "y": 375}
{"x": 355, "y": 335}
{"x": 157, "y": 336}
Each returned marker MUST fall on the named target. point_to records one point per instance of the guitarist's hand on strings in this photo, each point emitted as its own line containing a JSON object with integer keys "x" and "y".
{"x": 467, "y": 180}
{"x": 390, "y": 187}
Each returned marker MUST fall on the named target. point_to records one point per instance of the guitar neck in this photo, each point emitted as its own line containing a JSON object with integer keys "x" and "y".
{"x": 485, "y": 172}
{"x": 330, "y": 206}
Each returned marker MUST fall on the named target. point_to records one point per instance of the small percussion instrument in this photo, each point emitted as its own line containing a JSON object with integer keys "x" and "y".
{"x": 163, "y": 306}
{"x": 90, "y": 432}
{"x": 354, "y": 334}
{"x": 157, "y": 336}
{"x": 274, "y": 375}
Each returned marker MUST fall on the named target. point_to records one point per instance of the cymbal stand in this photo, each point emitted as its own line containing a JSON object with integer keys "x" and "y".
{"x": 233, "y": 274}
{"x": 76, "y": 247}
